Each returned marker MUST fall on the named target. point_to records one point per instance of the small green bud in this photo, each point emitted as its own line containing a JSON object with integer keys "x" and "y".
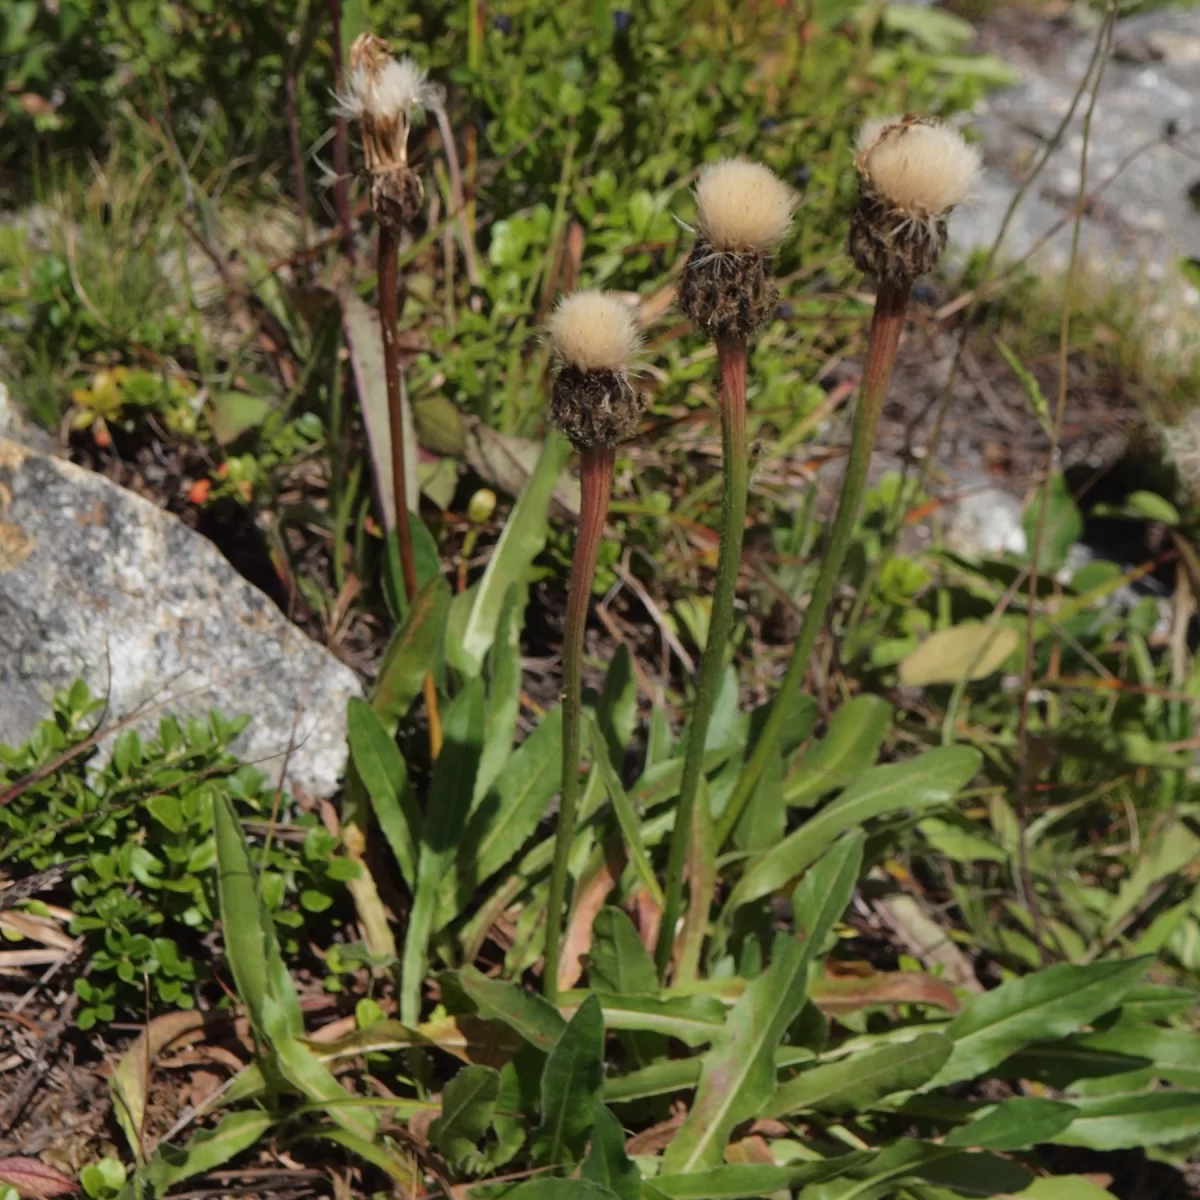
{"x": 481, "y": 506}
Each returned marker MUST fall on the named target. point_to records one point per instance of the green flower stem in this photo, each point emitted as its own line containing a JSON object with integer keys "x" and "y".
{"x": 732, "y": 357}
{"x": 891, "y": 303}
{"x": 595, "y": 477}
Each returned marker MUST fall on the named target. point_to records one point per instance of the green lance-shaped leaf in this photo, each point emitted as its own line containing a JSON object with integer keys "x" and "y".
{"x": 251, "y": 947}
{"x": 927, "y": 781}
{"x": 1133, "y": 1120}
{"x": 412, "y": 652}
{"x": 559, "y": 1189}
{"x": 449, "y": 800}
{"x": 571, "y": 1084}
{"x": 858, "y": 1081}
{"x": 849, "y": 747}
{"x": 505, "y": 817}
{"x": 620, "y": 963}
{"x": 522, "y": 540}
{"x": 526, "y": 1013}
{"x": 468, "y": 1102}
{"x": 203, "y": 1152}
{"x": 738, "y": 1073}
{"x": 504, "y": 692}
{"x": 626, "y": 817}
{"x": 744, "y": 1181}
{"x": 1049, "y": 1004}
{"x": 381, "y": 769}
{"x": 1014, "y": 1124}
{"x": 607, "y": 1163}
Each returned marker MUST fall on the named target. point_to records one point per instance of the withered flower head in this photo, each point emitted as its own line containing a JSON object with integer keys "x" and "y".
{"x": 743, "y": 211}
{"x": 912, "y": 172}
{"x": 594, "y": 338}
{"x": 387, "y": 96}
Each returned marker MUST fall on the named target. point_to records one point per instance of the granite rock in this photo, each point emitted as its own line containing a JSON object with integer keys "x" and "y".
{"x": 1142, "y": 160}
{"x": 17, "y": 427}
{"x": 98, "y": 583}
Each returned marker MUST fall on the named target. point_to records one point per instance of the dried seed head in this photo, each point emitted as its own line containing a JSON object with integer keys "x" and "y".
{"x": 743, "y": 210}
{"x": 728, "y": 296}
{"x": 743, "y": 206}
{"x": 386, "y": 96}
{"x": 385, "y": 88}
{"x": 594, "y": 337}
{"x": 912, "y": 173}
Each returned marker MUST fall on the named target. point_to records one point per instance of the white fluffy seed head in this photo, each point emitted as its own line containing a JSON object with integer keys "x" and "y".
{"x": 387, "y": 90}
{"x": 743, "y": 206}
{"x": 919, "y": 167}
{"x": 594, "y": 331}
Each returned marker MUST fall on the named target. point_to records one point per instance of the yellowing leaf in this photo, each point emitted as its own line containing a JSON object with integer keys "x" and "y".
{"x": 972, "y": 649}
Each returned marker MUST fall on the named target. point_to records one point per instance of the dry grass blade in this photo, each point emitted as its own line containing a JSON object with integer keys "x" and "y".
{"x": 1104, "y": 42}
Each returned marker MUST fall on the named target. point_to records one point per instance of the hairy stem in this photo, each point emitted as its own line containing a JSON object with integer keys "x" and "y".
{"x": 886, "y": 327}
{"x": 732, "y": 357}
{"x": 595, "y": 477}
{"x": 389, "y": 281}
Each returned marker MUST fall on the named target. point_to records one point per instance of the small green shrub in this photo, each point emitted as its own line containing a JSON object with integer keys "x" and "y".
{"x": 137, "y": 831}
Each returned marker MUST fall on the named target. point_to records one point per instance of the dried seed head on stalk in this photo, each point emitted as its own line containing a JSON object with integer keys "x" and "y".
{"x": 594, "y": 337}
{"x": 743, "y": 211}
{"x": 912, "y": 172}
{"x": 387, "y": 96}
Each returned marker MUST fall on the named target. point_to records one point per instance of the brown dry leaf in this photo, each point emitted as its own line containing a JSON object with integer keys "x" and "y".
{"x": 836, "y": 996}
{"x": 647, "y": 916}
{"x": 925, "y": 939}
{"x": 588, "y": 901}
{"x": 34, "y": 1179}
{"x": 365, "y": 341}
{"x": 469, "y": 1038}
{"x": 12, "y": 960}
{"x": 753, "y": 1149}
{"x": 37, "y": 929}
{"x": 768, "y": 1127}
{"x": 202, "y": 1087}
{"x": 418, "y": 1124}
{"x": 131, "y": 1078}
{"x": 657, "y": 1137}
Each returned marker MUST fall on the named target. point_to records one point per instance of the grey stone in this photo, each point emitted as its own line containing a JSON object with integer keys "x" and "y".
{"x": 17, "y": 427}
{"x": 1144, "y": 219}
{"x": 96, "y": 582}
{"x": 985, "y": 522}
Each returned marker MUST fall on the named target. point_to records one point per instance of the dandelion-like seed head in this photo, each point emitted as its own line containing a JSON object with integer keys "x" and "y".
{"x": 743, "y": 206}
{"x": 386, "y": 96}
{"x": 384, "y": 88}
{"x": 912, "y": 172}
{"x": 918, "y": 166}
{"x": 743, "y": 211}
{"x": 594, "y": 337}
{"x": 594, "y": 331}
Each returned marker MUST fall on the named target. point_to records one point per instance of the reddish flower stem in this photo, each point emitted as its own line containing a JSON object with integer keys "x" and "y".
{"x": 595, "y": 477}
{"x": 887, "y": 324}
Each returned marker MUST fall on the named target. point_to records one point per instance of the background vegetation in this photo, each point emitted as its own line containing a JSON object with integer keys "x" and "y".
{"x": 956, "y": 943}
